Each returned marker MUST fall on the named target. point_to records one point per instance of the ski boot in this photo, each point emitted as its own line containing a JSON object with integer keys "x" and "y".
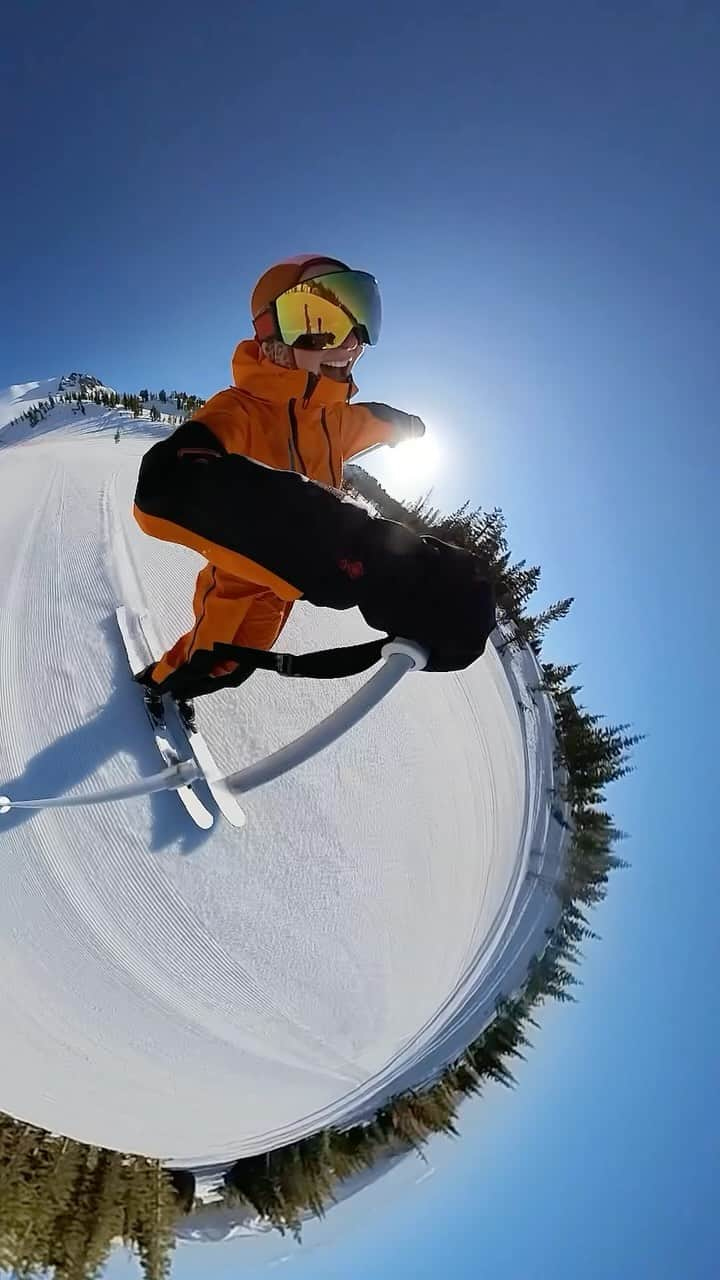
{"x": 186, "y": 712}
{"x": 151, "y": 694}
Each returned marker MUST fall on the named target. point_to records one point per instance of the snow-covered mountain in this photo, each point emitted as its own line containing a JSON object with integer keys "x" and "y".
{"x": 20, "y": 397}
{"x": 202, "y": 996}
{"x": 32, "y": 407}
{"x": 83, "y": 382}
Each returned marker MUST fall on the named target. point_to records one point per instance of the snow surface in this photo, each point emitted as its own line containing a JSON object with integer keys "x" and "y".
{"x": 199, "y": 996}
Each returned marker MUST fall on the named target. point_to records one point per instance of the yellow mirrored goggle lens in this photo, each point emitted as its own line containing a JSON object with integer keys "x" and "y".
{"x": 320, "y": 313}
{"x": 309, "y": 320}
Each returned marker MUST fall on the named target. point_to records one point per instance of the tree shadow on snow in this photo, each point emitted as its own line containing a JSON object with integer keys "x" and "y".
{"x": 120, "y": 725}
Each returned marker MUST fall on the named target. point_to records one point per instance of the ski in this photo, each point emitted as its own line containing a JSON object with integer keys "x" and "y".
{"x": 182, "y": 729}
{"x": 135, "y": 643}
{"x": 219, "y": 790}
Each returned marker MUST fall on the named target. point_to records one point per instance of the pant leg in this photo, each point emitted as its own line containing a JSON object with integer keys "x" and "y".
{"x": 263, "y": 622}
{"x": 287, "y": 610}
{"x": 226, "y": 609}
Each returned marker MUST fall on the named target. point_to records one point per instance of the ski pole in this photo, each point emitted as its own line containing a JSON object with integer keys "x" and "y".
{"x": 168, "y": 780}
{"x": 400, "y": 657}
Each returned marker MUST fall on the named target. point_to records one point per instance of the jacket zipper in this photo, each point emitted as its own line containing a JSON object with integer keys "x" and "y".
{"x": 323, "y": 419}
{"x": 294, "y": 446}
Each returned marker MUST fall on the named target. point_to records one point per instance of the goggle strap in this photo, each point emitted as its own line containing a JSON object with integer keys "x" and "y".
{"x": 266, "y": 325}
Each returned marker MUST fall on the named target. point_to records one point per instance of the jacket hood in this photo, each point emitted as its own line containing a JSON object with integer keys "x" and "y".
{"x": 254, "y": 373}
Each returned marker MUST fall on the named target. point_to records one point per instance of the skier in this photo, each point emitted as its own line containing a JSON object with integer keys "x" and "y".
{"x": 236, "y": 484}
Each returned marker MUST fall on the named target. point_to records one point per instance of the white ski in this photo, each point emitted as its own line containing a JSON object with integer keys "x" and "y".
{"x": 135, "y": 642}
{"x": 220, "y": 792}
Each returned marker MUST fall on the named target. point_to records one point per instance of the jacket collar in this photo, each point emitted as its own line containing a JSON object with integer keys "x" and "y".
{"x": 259, "y": 377}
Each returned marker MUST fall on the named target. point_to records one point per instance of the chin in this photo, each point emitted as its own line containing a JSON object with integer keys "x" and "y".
{"x": 336, "y": 375}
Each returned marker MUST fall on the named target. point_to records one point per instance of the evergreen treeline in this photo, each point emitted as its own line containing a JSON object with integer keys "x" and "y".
{"x": 95, "y": 394}
{"x": 52, "y": 1185}
{"x": 78, "y": 399}
{"x": 63, "y": 1205}
{"x": 183, "y": 402}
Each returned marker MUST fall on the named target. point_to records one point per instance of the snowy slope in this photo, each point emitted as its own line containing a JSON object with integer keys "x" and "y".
{"x": 24, "y": 395}
{"x": 199, "y": 996}
{"x": 16, "y": 399}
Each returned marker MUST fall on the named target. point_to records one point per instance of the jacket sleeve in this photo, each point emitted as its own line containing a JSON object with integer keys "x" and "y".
{"x": 298, "y": 538}
{"x": 222, "y": 415}
{"x": 364, "y": 425}
{"x": 192, "y": 491}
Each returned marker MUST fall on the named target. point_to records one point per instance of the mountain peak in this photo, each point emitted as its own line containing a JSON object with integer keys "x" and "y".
{"x": 79, "y": 382}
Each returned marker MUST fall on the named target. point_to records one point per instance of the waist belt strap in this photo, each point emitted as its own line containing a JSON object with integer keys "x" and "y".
{"x": 326, "y": 664}
{"x": 192, "y": 680}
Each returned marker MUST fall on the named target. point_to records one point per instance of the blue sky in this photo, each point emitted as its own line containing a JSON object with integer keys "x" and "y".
{"x": 536, "y": 188}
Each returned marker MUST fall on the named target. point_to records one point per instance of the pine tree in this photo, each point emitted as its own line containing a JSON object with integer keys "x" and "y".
{"x": 532, "y": 630}
{"x": 556, "y": 677}
{"x": 48, "y": 1195}
{"x": 73, "y": 1227}
{"x": 254, "y": 1181}
{"x": 351, "y": 1150}
{"x": 183, "y": 1185}
{"x": 154, "y": 1235}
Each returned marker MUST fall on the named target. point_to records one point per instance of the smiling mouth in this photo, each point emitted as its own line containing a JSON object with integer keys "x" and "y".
{"x": 336, "y": 369}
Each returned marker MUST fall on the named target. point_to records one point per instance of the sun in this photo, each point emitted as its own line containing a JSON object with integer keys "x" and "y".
{"x": 411, "y": 468}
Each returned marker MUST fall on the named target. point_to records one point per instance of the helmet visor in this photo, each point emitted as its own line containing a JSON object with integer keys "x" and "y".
{"x": 320, "y": 313}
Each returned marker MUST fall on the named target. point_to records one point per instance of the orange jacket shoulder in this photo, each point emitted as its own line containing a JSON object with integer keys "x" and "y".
{"x": 226, "y": 416}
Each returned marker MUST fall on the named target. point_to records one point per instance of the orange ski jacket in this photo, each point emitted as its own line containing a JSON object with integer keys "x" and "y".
{"x": 289, "y": 420}
{"x": 294, "y": 421}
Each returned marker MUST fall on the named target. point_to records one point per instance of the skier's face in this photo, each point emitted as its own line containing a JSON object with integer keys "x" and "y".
{"x": 336, "y": 364}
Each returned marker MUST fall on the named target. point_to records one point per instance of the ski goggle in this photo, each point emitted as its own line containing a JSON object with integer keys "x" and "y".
{"x": 320, "y": 313}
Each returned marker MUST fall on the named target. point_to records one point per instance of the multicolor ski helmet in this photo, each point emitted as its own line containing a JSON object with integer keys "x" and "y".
{"x": 315, "y": 312}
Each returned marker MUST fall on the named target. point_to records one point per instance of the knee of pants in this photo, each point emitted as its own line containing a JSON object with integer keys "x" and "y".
{"x": 263, "y": 622}
{"x": 230, "y": 611}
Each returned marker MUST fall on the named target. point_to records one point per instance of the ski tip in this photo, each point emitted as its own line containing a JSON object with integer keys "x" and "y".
{"x": 202, "y": 817}
{"x": 228, "y": 806}
{"x": 5, "y": 804}
{"x": 232, "y": 814}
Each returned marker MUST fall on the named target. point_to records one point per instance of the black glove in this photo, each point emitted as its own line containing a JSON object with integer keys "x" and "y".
{"x": 407, "y": 426}
{"x": 440, "y": 597}
{"x": 413, "y": 428}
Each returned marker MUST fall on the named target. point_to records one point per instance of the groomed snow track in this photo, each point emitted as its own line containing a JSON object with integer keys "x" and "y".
{"x": 203, "y": 995}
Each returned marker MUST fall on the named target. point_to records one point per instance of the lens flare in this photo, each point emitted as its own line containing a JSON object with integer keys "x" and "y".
{"x": 411, "y": 468}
